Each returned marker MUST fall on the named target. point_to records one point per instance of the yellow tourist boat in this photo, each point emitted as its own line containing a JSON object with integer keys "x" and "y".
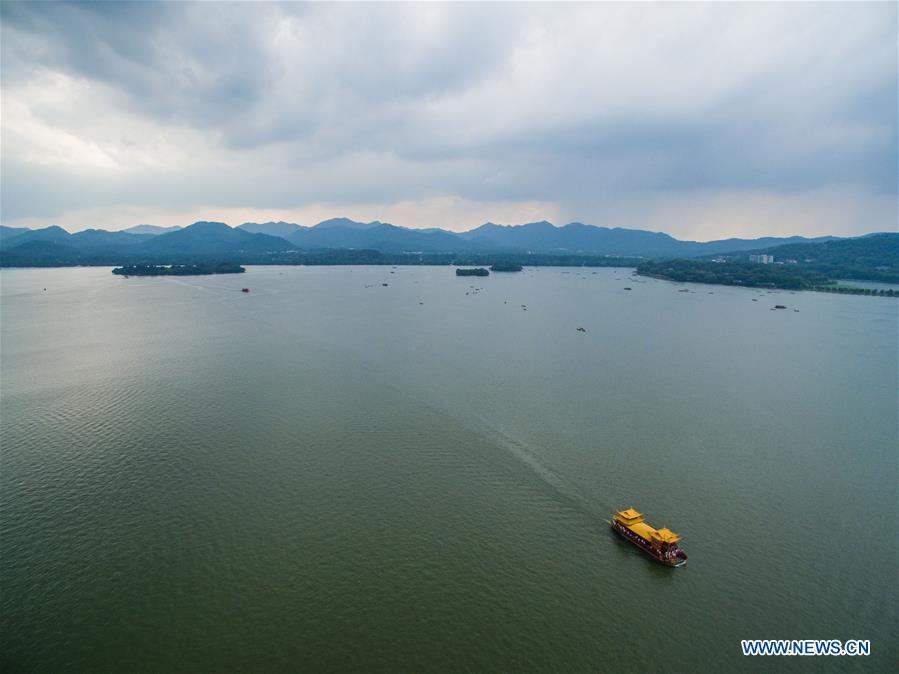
{"x": 660, "y": 544}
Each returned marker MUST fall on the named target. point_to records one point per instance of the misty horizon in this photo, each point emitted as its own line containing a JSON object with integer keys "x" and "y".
{"x": 375, "y": 222}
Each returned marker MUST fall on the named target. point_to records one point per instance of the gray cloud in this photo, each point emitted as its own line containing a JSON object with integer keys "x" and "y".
{"x": 587, "y": 108}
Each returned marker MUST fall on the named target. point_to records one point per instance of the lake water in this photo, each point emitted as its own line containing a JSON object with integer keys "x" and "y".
{"x": 327, "y": 474}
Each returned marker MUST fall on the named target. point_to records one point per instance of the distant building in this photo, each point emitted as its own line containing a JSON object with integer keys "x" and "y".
{"x": 761, "y": 259}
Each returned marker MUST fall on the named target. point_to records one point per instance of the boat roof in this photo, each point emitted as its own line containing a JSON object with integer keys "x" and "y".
{"x": 629, "y": 514}
{"x": 649, "y": 533}
{"x": 642, "y": 529}
{"x": 667, "y": 535}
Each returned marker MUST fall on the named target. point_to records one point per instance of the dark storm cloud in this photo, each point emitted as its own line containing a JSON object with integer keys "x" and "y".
{"x": 219, "y": 64}
{"x": 159, "y": 58}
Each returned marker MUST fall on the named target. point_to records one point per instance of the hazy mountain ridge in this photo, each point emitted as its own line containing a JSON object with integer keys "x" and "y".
{"x": 346, "y": 223}
{"x": 215, "y": 239}
{"x": 280, "y": 228}
{"x": 85, "y": 239}
{"x": 151, "y": 229}
{"x": 378, "y": 236}
{"x": 7, "y": 233}
{"x": 542, "y": 236}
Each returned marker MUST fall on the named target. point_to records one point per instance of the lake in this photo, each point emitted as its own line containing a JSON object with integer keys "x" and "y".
{"x": 330, "y": 474}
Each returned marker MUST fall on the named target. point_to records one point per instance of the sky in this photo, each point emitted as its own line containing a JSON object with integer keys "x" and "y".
{"x": 703, "y": 120}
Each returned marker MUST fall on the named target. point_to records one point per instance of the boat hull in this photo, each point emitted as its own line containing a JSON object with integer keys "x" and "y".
{"x": 679, "y": 558}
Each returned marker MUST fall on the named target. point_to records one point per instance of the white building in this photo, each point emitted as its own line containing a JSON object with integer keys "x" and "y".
{"x": 761, "y": 259}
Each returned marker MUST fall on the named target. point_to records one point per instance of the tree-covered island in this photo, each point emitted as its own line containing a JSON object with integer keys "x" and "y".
{"x": 179, "y": 269}
{"x": 479, "y": 271}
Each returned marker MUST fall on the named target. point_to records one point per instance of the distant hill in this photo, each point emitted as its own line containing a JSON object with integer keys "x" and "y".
{"x": 874, "y": 250}
{"x": 12, "y": 231}
{"x": 345, "y": 223}
{"x": 874, "y": 257}
{"x": 41, "y": 254}
{"x": 100, "y": 238}
{"x": 282, "y": 229}
{"x": 530, "y": 236}
{"x": 151, "y": 229}
{"x": 87, "y": 239}
{"x": 380, "y": 236}
{"x": 8, "y": 233}
{"x": 211, "y": 239}
{"x": 53, "y": 233}
{"x": 725, "y": 246}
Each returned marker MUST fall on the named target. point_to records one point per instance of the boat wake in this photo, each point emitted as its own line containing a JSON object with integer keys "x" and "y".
{"x": 561, "y": 487}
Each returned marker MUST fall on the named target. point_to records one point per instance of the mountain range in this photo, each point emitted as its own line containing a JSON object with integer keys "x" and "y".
{"x": 217, "y": 240}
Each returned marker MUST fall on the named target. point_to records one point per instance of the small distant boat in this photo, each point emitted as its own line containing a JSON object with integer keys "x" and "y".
{"x": 582, "y": 330}
{"x": 779, "y": 306}
{"x": 627, "y": 288}
{"x": 660, "y": 544}
{"x": 244, "y": 290}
